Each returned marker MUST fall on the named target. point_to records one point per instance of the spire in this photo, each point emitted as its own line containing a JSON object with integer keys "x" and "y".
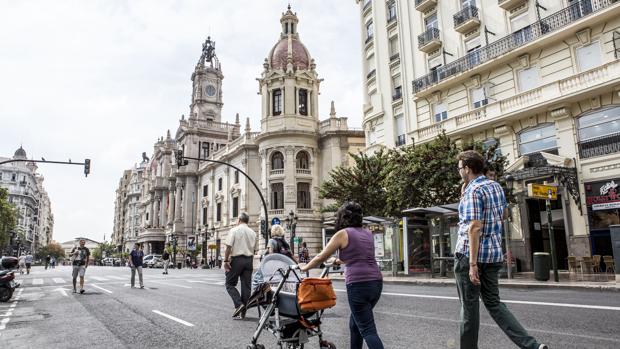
{"x": 247, "y": 125}
{"x": 332, "y": 112}
{"x": 237, "y": 119}
{"x": 168, "y": 135}
{"x": 289, "y": 22}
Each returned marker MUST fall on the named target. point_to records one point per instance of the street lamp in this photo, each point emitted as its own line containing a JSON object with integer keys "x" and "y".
{"x": 510, "y": 180}
{"x": 291, "y": 224}
{"x": 217, "y": 246}
{"x": 173, "y": 239}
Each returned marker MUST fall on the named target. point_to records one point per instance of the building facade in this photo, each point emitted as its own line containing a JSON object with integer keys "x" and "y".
{"x": 542, "y": 78}
{"x": 287, "y": 159}
{"x": 35, "y": 221}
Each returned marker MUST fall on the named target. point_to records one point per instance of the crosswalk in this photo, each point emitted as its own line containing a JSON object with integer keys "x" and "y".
{"x": 178, "y": 280}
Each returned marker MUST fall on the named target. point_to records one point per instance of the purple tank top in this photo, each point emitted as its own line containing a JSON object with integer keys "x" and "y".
{"x": 359, "y": 257}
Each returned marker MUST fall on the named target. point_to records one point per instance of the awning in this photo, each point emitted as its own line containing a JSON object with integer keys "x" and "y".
{"x": 441, "y": 210}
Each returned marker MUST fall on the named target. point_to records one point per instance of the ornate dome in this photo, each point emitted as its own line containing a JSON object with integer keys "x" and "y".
{"x": 20, "y": 153}
{"x": 300, "y": 58}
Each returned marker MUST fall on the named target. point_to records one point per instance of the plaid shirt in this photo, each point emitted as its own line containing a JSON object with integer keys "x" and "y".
{"x": 483, "y": 200}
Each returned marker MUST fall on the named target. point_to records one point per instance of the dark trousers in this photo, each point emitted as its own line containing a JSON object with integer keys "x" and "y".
{"x": 240, "y": 267}
{"x": 469, "y": 294}
{"x": 363, "y": 296}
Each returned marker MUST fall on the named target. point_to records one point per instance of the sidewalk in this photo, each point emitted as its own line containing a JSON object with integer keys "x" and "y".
{"x": 520, "y": 280}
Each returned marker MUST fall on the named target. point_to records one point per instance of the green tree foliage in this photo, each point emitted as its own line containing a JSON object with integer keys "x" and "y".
{"x": 8, "y": 218}
{"x": 53, "y": 250}
{"x": 362, "y": 182}
{"x": 107, "y": 247}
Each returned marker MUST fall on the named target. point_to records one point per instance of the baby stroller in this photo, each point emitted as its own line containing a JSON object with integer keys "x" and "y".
{"x": 278, "y": 307}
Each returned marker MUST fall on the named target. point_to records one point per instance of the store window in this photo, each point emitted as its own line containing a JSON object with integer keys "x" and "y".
{"x": 538, "y": 139}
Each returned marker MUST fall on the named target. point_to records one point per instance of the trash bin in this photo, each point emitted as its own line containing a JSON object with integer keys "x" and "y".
{"x": 179, "y": 265}
{"x": 542, "y": 262}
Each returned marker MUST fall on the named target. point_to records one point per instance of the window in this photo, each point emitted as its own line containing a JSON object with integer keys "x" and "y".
{"x": 205, "y": 190}
{"x": 13, "y": 177}
{"x": 465, "y": 3}
{"x": 236, "y": 178}
{"x": 204, "y": 215}
{"x": 537, "y": 139}
{"x": 528, "y": 79}
{"x": 394, "y": 50}
{"x": 277, "y": 102}
{"x": 277, "y": 196}
{"x": 440, "y": 111}
{"x": 302, "y": 160}
{"x": 399, "y": 122}
{"x": 431, "y": 21}
{"x": 303, "y": 195}
{"x": 218, "y": 212}
{"x": 599, "y": 124}
{"x": 303, "y": 102}
{"x": 205, "y": 150}
{"x": 235, "y": 206}
{"x": 391, "y": 10}
{"x": 589, "y": 56}
{"x": 370, "y": 63}
{"x": 372, "y": 136}
{"x": 522, "y": 31}
{"x": 0, "y": 176}
{"x": 473, "y": 53}
{"x": 219, "y": 183}
{"x": 369, "y": 31}
{"x": 277, "y": 161}
{"x": 479, "y": 97}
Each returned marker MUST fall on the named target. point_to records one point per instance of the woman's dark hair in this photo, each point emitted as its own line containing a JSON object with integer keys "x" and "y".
{"x": 349, "y": 215}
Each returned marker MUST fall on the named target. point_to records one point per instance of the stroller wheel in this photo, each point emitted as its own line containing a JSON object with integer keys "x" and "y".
{"x": 327, "y": 345}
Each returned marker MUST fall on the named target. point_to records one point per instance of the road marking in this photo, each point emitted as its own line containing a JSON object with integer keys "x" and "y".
{"x": 62, "y": 291}
{"x": 98, "y": 278}
{"x": 116, "y": 277}
{"x": 565, "y": 305}
{"x": 3, "y": 323}
{"x": 37, "y": 281}
{"x": 168, "y": 284}
{"x": 173, "y": 318}
{"x": 101, "y": 288}
{"x": 58, "y": 280}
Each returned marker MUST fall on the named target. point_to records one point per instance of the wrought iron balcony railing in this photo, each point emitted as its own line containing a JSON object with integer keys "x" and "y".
{"x": 428, "y": 36}
{"x": 549, "y": 24}
{"x": 600, "y": 146}
{"x": 467, "y": 13}
{"x": 371, "y": 73}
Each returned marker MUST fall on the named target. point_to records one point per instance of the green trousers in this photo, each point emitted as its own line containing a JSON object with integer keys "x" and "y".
{"x": 488, "y": 290}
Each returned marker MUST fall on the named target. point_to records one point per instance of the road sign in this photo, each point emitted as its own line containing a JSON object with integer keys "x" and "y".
{"x": 275, "y": 221}
{"x": 297, "y": 239}
{"x": 541, "y": 191}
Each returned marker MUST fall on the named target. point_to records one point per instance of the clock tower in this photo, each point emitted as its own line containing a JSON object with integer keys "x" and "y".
{"x": 207, "y": 86}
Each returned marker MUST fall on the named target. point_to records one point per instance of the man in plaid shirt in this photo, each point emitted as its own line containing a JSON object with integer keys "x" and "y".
{"x": 479, "y": 255}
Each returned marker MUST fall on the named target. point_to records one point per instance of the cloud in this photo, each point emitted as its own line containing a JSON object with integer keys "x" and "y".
{"x": 104, "y": 79}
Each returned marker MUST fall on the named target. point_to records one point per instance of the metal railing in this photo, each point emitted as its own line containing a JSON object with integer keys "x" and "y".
{"x": 371, "y": 73}
{"x": 369, "y": 39}
{"x": 391, "y": 19}
{"x": 552, "y": 23}
{"x": 400, "y": 140}
{"x": 367, "y": 4}
{"x": 467, "y": 13}
{"x": 600, "y": 146}
{"x": 428, "y": 36}
{"x": 394, "y": 57}
{"x": 398, "y": 93}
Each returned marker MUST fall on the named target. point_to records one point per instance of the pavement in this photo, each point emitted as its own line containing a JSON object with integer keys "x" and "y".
{"x": 191, "y": 309}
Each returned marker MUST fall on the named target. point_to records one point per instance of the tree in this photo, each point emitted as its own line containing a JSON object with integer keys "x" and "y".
{"x": 8, "y": 218}
{"x": 53, "y": 250}
{"x": 363, "y": 183}
{"x": 105, "y": 249}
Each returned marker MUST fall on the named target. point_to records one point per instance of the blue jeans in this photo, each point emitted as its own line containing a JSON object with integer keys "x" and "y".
{"x": 363, "y": 296}
{"x": 470, "y": 294}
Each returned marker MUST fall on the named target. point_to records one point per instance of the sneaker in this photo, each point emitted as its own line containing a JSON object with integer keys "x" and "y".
{"x": 82, "y": 291}
{"x": 74, "y": 290}
{"x": 141, "y": 287}
{"x": 543, "y": 346}
{"x": 239, "y": 311}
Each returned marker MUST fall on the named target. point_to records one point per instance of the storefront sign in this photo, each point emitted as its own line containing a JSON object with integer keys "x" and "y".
{"x": 541, "y": 191}
{"x": 602, "y": 193}
{"x": 191, "y": 243}
{"x": 379, "y": 250}
{"x": 606, "y": 206}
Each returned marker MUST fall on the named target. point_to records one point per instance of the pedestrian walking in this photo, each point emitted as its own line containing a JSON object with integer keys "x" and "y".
{"x": 166, "y": 258}
{"x": 278, "y": 244}
{"x": 188, "y": 262}
{"x": 479, "y": 256}
{"x": 47, "y": 261}
{"x": 363, "y": 278}
{"x": 304, "y": 254}
{"x": 22, "y": 264}
{"x": 241, "y": 246}
{"x": 28, "y": 261}
{"x": 135, "y": 262}
{"x": 80, "y": 256}
{"x": 53, "y": 262}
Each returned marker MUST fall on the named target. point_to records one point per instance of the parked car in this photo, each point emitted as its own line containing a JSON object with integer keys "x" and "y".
{"x": 108, "y": 261}
{"x": 149, "y": 260}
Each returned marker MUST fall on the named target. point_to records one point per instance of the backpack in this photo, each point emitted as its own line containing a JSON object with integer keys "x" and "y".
{"x": 283, "y": 247}
{"x": 165, "y": 256}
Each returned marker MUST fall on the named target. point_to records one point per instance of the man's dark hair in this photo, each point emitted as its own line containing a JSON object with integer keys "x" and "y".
{"x": 244, "y": 218}
{"x": 473, "y": 160}
{"x": 349, "y": 215}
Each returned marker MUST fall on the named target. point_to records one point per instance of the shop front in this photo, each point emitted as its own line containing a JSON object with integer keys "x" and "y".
{"x": 603, "y": 202}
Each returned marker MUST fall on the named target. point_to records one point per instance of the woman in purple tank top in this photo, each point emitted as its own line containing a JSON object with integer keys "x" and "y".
{"x": 362, "y": 275}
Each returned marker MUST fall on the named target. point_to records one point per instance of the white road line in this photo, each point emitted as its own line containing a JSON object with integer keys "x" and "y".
{"x": 98, "y": 278}
{"x": 565, "y": 305}
{"x": 37, "y": 281}
{"x": 101, "y": 288}
{"x": 62, "y": 291}
{"x": 58, "y": 280}
{"x": 168, "y": 284}
{"x": 173, "y": 318}
{"x": 116, "y": 277}
{"x": 3, "y": 323}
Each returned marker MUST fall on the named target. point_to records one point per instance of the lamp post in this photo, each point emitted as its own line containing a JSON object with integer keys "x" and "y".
{"x": 291, "y": 225}
{"x": 18, "y": 241}
{"x": 173, "y": 239}
{"x": 509, "y": 185}
{"x": 217, "y": 245}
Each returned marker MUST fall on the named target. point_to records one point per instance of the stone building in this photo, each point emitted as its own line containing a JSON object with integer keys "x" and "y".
{"x": 288, "y": 158}
{"x": 35, "y": 220}
{"x": 542, "y": 78}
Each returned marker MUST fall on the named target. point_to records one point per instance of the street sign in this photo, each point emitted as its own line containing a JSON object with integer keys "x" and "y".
{"x": 541, "y": 191}
{"x": 275, "y": 221}
{"x": 297, "y": 240}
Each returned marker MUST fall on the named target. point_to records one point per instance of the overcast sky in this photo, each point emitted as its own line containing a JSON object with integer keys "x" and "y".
{"x": 104, "y": 79}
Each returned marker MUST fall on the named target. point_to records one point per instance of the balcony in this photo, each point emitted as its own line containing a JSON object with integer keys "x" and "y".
{"x": 368, "y": 39}
{"x": 600, "y": 146}
{"x": 553, "y": 23}
{"x": 391, "y": 19}
{"x": 573, "y": 88}
{"x": 400, "y": 140}
{"x": 276, "y": 212}
{"x": 277, "y": 172}
{"x": 304, "y": 171}
{"x": 429, "y": 41}
{"x": 509, "y": 4}
{"x": 424, "y": 5}
{"x": 398, "y": 94}
{"x": 394, "y": 57}
{"x": 371, "y": 74}
{"x": 466, "y": 20}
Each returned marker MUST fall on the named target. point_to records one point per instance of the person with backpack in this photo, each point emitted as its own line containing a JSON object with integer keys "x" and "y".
{"x": 166, "y": 258}
{"x": 278, "y": 244}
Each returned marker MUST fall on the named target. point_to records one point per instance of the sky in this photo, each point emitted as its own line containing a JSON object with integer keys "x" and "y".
{"x": 105, "y": 79}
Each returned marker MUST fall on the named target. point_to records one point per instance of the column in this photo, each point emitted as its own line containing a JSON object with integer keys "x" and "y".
{"x": 171, "y": 189}
{"x": 152, "y": 212}
{"x": 156, "y": 210}
{"x": 177, "y": 207}
{"x": 163, "y": 212}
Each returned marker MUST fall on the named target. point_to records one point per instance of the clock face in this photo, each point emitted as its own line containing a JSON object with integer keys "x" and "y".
{"x": 210, "y": 90}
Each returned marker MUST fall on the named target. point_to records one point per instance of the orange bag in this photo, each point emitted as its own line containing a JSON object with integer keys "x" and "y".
{"x": 315, "y": 294}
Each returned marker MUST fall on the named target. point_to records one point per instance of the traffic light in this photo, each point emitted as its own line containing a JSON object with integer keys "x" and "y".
{"x": 180, "y": 160}
{"x": 86, "y": 167}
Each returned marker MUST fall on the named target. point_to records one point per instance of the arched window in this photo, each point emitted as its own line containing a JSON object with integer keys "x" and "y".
{"x": 277, "y": 161}
{"x": 277, "y": 196}
{"x": 599, "y": 132}
{"x": 535, "y": 140}
{"x": 277, "y": 101}
{"x": 303, "y": 160}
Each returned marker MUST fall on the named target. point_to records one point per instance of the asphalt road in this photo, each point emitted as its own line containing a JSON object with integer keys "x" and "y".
{"x": 191, "y": 309}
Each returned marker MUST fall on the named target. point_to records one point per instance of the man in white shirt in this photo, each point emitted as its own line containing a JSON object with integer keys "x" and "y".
{"x": 241, "y": 246}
